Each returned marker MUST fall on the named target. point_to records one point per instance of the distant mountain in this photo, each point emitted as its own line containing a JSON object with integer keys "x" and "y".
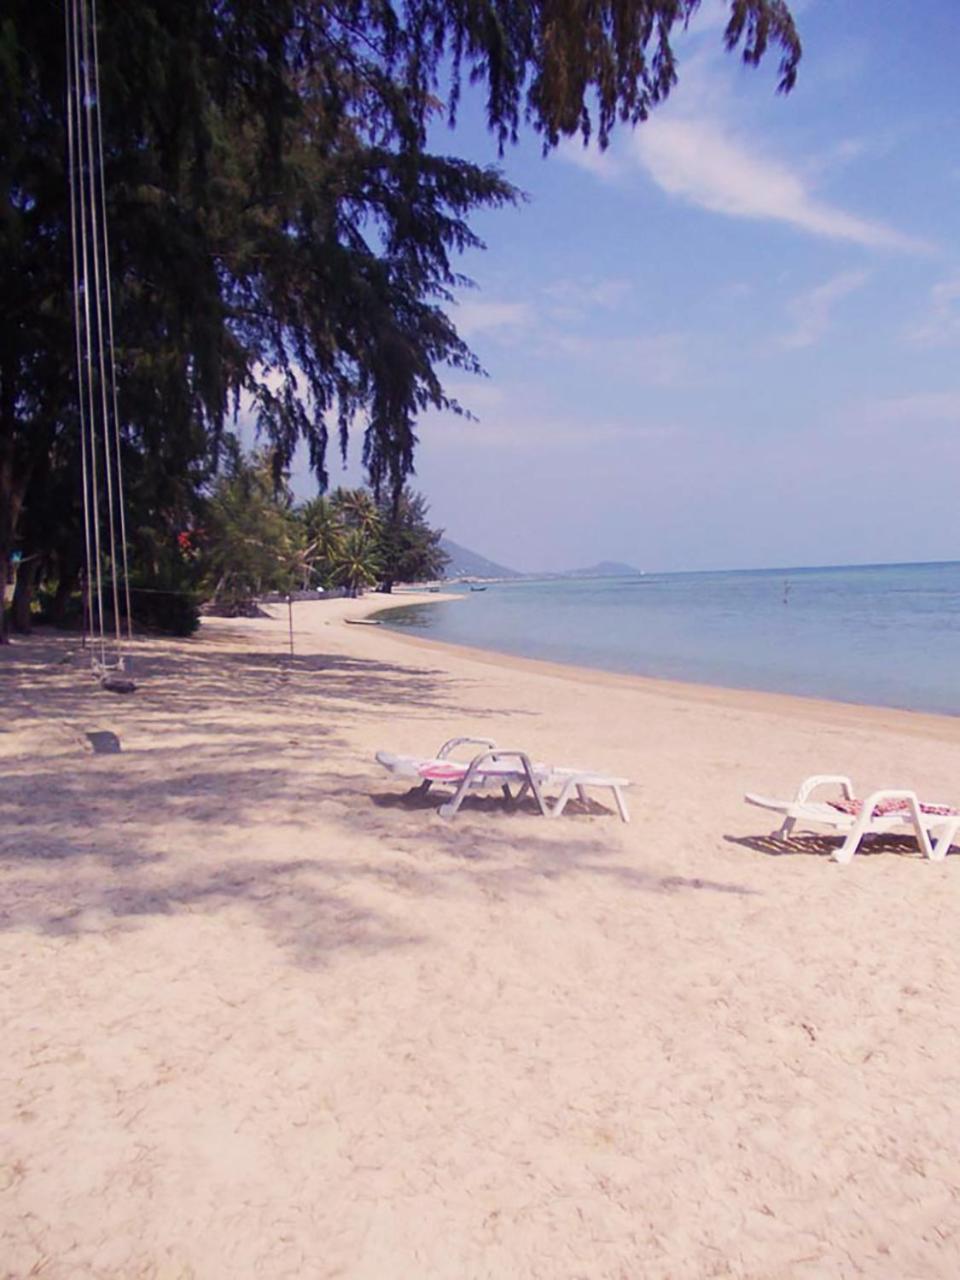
{"x": 605, "y": 569}
{"x": 467, "y": 564}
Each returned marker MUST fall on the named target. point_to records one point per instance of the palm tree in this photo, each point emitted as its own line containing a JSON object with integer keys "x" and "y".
{"x": 324, "y": 536}
{"x": 252, "y": 543}
{"x": 357, "y": 509}
{"x": 356, "y": 564}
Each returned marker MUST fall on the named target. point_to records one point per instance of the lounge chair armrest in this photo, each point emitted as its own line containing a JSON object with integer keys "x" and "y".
{"x": 452, "y": 743}
{"x": 501, "y": 753}
{"x": 807, "y": 788}
{"x": 878, "y": 797}
{"x": 495, "y": 755}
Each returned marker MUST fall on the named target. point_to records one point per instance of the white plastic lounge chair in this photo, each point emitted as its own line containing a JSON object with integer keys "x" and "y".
{"x": 503, "y": 767}
{"x": 881, "y": 812}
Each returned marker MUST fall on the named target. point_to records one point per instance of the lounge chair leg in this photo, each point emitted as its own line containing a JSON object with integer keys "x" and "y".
{"x": 849, "y": 846}
{"x": 621, "y": 804}
{"x": 449, "y": 809}
{"x": 534, "y": 786}
{"x": 561, "y": 801}
{"x": 940, "y": 847}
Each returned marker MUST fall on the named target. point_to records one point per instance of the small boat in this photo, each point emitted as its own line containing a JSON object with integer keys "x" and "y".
{"x": 362, "y": 622}
{"x": 478, "y": 588}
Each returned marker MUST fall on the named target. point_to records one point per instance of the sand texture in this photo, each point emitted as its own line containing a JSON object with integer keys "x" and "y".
{"x": 265, "y": 1015}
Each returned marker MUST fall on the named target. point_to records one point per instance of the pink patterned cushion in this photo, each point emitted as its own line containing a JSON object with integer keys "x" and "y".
{"x": 885, "y": 807}
{"x": 454, "y": 770}
{"x": 440, "y": 771}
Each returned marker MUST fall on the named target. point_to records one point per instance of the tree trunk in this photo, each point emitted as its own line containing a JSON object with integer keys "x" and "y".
{"x": 13, "y": 486}
{"x": 4, "y": 562}
{"x": 11, "y": 500}
{"x": 65, "y": 589}
{"x": 23, "y": 595}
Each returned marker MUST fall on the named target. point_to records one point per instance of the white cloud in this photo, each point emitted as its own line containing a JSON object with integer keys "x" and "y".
{"x": 812, "y": 310}
{"x": 533, "y": 433}
{"x": 574, "y": 301}
{"x": 605, "y": 165}
{"x": 941, "y": 326}
{"x": 589, "y": 292}
{"x": 479, "y": 395}
{"x": 698, "y": 161}
{"x": 661, "y": 360}
{"x": 475, "y": 316}
{"x": 921, "y": 406}
{"x": 917, "y": 410}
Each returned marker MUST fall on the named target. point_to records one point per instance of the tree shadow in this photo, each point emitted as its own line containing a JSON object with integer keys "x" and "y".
{"x": 416, "y": 800}
{"x": 189, "y": 683}
{"x": 824, "y": 846}
{"x": 98, "y": 868}
{"x": 311, "y": 923}
{"x": 223, "y": 754}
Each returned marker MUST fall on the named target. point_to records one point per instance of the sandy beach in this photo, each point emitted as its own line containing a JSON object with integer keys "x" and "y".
{"x": 264, "y": 1015}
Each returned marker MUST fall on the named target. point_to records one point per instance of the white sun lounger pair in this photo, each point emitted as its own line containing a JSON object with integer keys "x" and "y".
{"x": 934, "y": 825}
{"x": 501, "y": 767}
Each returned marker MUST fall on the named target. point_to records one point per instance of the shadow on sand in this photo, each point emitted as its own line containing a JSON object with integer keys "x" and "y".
{"x": 823, "y": 846}
{"x": 228, "y": 755}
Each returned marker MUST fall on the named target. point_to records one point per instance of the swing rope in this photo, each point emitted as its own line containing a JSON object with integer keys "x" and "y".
{"x": 95, "y": 352}
{"x": 110, "y": 341}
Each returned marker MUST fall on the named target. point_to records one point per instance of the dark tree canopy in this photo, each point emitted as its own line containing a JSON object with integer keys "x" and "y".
{"x": 409, "y": 546}
{"x": 279, "y": 230}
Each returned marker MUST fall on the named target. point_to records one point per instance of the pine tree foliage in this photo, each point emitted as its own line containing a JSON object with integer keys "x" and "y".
{"x": 281, "y": 235}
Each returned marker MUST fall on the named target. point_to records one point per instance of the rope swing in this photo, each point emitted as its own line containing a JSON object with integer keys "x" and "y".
{"x": 105, "y": 534}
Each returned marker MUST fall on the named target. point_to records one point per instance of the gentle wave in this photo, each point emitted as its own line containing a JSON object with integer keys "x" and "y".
{"x": 885, "y": 635}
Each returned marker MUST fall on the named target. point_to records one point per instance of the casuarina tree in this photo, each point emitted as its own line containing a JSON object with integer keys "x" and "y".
{"x": 281, "y": 234}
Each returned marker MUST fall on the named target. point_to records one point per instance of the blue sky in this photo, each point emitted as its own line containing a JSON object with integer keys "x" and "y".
{"x": 731, "y": 340}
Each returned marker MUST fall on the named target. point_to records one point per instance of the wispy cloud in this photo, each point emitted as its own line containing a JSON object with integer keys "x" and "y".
{"x": 562, "y": 320}
{"x": 940, "y": 327}
{"x": 812, "y": 310}
{"x": 587, "y": 293}
{"x": 921, "y": 406}
{"x": 532, "y": 433}
{"x": 605, "y": 165}
{"x": 657, "y": 360}
{"x": 474, "y": 315}
{"x": 574, "y": 301}
{"x": 928, "y": 410}
{"x": 478, "y": 395}
{"x": 698, "y": 161}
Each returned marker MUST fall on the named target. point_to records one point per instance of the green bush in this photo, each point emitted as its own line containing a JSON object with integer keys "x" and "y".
{"x": 175, "y": 612}
{"x": 69, "y": 615}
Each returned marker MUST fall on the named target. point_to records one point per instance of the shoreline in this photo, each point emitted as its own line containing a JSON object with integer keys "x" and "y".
{"x": 807, "y": 706}
{"x": 810, "y": 708}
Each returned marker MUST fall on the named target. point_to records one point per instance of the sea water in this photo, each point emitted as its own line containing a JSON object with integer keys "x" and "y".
{"x": 886, "y": 635}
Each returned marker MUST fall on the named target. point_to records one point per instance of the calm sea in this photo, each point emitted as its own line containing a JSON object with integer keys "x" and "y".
{"x": 887, "y": 635}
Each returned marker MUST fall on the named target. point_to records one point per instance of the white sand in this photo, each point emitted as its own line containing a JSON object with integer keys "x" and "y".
{"x": 264, "y": 1017}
